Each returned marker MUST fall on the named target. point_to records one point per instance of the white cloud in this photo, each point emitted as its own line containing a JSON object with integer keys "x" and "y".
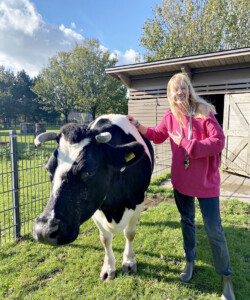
{"x": 103, "y": 48}
{"x": 71, "y": 33}
{"x": 27, "y": 42}
{"x": 20, "y": 16}
{"x": 126, "y": 58}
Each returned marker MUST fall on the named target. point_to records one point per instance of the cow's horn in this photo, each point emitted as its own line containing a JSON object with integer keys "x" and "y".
{"x": 103, "y": 137}
{"x": 44, "y": 137}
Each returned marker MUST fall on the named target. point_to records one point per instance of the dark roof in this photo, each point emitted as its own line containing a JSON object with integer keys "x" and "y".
{"x": 228, "y": 57}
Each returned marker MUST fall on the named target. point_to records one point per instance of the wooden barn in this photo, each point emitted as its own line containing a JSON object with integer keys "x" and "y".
{"x": 222, "y": 78}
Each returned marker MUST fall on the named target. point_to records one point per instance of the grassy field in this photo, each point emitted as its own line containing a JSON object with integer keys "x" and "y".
{"x": 34, "y": 185}
{"x": 33, "y": 271}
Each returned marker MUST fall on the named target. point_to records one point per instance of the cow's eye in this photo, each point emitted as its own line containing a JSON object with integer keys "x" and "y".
{"x": 86, "y": 175}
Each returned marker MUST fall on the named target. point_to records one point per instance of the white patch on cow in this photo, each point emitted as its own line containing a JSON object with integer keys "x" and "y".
{"x": 113, "y": 227}
{"x": 126, "y": 126}
{"x": 127, "y": 223}
{"x": 67, "y": 155}
{"x": 39, "y": 227}
{"x": 52, "y": 214}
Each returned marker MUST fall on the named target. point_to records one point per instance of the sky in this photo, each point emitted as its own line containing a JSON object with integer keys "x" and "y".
{"x": 32, "y": 31}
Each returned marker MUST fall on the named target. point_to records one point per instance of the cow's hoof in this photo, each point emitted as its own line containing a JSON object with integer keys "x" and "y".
{"x": 129, "y": 267}
{"x": 107, "y": 275}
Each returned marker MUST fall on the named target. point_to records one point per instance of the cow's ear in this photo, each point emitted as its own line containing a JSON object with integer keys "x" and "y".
{"x": 123, "y": 156}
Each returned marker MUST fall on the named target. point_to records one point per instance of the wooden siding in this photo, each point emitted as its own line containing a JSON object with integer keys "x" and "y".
{"x": 150, "y": 112}
{"x": 219, "y": 81}
{"x": 222, "y": 75}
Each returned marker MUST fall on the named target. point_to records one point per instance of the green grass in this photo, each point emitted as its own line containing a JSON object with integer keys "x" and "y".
{"x": 34, "y": 185}
{"x": 34, "y": 271}
{"x": 155, "y": 187}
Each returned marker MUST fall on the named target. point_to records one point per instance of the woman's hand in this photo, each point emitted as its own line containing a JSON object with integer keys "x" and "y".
{"x": 176, "y": 138}
{"x": 131, "y": 119}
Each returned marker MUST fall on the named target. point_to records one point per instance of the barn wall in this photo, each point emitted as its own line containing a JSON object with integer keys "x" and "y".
{"x": 233, "y": 78}
{"x": 148, "y": 101}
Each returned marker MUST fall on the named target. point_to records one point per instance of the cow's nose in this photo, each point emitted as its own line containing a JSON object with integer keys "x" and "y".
{"x": 46, "y": 230}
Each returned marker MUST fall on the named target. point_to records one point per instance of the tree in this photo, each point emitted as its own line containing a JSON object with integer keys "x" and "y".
{"x": 52, "y": 85}
{"x": 27, "y": 108}
{"x": 17, "y": 101}
{"x": 76, "y": 81}
{"x": 96, "y": 92}
{"x": 8, "y": 104}
{"x": 188, "y": 27}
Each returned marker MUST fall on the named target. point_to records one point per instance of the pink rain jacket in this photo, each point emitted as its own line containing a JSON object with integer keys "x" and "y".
{"x": 202, "y": 178}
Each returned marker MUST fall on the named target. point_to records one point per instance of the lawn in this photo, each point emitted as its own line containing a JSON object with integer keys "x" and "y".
{"x": 34, "y": 185}
{"x": 29, "y": 270}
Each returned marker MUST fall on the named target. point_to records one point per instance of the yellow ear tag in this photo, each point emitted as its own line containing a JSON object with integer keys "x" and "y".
{"x": 129, "y": 157}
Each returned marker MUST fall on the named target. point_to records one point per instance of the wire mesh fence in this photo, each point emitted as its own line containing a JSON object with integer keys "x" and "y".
{"x": 162, "y": 158}
{"x": 24, "y": 187}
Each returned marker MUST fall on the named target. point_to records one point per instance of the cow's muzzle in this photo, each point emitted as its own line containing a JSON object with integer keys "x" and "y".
{"x": 46, "y": 230}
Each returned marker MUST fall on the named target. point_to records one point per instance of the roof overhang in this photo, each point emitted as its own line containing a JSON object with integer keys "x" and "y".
{"x": 181, "y": 64}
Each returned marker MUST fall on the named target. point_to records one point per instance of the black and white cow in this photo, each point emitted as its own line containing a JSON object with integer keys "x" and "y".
{"x": 100, "y": 171}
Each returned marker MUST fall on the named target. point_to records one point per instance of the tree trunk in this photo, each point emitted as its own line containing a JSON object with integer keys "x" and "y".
{"x": 66, "y": 116}
{"x": 93, "y": 113}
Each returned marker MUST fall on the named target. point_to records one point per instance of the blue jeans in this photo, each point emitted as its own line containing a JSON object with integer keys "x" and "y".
{"x": 212, "y": 222}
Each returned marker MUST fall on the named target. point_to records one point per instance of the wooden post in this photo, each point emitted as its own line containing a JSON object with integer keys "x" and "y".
{"x": 186, "y": 69}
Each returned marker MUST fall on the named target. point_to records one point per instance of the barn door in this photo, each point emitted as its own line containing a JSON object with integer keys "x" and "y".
{"x": 236, "y": 154}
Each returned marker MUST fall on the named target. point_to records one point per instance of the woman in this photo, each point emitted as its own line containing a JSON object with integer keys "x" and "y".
{"x": 196, "y": 140}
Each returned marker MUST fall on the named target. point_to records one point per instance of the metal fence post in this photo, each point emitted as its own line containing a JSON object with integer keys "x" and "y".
{"x": 14, "y": 180}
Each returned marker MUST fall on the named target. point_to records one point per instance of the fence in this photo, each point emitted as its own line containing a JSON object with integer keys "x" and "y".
{"x": 24, "y": 187}
{"x": 17, "y": 126}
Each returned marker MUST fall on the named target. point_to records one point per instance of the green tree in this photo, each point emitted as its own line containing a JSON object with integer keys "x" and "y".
{"x": 52, "y": 85}
{"x": 96, "y": 92}
{"x": 76, "y": 81}
{"x": 8, "y": 104}
{"x": 27, "y": 107}
{"x": 17, "y": 101}
{"x": 188, "y": 27}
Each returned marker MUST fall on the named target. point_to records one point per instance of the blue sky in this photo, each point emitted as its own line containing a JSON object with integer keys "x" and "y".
{"x": 31, "y": 31}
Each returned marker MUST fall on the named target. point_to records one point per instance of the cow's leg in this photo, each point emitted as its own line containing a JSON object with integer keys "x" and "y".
{"x": 106, "y": 237}
{"x": 129, "y": 263}
{"x": 108, "y": 268}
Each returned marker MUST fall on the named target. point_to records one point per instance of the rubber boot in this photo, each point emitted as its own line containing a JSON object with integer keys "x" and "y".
{"x": 187, "y": 273}
{"x": 227, "y": 286}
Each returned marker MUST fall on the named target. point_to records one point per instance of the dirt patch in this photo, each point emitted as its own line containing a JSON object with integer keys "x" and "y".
{"x": 235, "y": 188}
{"x": 156, "y": 200}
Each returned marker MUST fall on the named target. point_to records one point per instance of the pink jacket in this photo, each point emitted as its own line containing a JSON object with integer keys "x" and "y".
{"x": 202, "y": 178}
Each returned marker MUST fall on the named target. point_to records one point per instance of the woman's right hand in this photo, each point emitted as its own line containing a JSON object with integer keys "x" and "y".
{"x": 131, "y": 119}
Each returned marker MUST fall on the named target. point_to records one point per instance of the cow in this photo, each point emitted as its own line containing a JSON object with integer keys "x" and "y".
{"x": 101, "y": 170}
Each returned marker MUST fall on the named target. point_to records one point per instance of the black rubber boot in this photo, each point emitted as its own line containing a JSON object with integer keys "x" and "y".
{"x": 227, "y": 286}
{"x": 187, "y": 273}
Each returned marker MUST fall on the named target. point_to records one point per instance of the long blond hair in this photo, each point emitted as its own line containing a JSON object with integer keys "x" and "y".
{"x": 194, "y": 99}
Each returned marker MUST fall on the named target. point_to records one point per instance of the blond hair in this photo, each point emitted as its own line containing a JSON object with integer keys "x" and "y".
{"x": 194, "y": 99}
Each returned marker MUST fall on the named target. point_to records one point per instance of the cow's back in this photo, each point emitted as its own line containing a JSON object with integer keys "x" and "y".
{"x": 127, "y": 186}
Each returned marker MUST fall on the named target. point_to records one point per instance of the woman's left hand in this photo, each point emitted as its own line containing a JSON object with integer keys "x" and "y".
{"x": 176, "y": 138}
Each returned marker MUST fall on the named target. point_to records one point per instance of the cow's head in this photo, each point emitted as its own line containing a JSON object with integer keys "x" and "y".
{"x": 80, "y": 171}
